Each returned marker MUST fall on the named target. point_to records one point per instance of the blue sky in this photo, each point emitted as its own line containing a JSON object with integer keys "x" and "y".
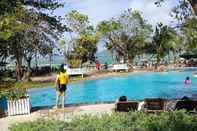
{"x": 99, "y": 10}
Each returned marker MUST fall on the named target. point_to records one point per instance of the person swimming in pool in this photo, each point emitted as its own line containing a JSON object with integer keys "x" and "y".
{"x": 187, "y": 81}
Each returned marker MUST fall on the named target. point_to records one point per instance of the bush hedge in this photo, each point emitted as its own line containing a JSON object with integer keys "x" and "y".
{"x": 13, "y": 93}
{"x": 132, "y": 121}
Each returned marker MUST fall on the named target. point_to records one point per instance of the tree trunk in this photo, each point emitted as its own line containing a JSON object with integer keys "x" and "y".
{"x": 168, "y": 58}
{"x": 28, "y": 73}
{"x": 194, "y": 5}
{"x": 50, "y": 61}
{"x": 130, "y": 63}
{"x": 65, "y": 60}
{"x": 81, "y": 64}
{"x": 195, "y": 8}
{"x": 112, "y": 55}
{"x": 157, "y": 63}
{"x": 36, "y": 59}
{"x": 19, "y": 73}
{"x": 174, "y": 61}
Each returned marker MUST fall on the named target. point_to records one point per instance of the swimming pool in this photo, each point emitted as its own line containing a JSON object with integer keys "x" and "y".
{"x": 168, "y": 85}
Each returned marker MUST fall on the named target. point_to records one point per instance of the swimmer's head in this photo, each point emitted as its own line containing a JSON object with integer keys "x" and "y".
{"x": 187, "y": 78}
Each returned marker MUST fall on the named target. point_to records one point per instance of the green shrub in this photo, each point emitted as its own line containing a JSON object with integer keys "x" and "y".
{"x": 132, "y": 121}
{"x": 75, "y": 63}
{"x": 39, "y": 125}
{"x": 6, "y": 74}
{"x": 13, "y": 94}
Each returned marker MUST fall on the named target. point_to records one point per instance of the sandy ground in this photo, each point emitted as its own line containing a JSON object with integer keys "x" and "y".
{"x": 67, "y": 115}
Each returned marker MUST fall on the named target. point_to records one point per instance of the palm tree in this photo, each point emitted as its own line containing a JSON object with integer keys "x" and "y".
{"x": 163, "y": 41}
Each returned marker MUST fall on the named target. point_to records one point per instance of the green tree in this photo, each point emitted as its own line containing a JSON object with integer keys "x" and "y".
{"x": 40, "y": 38}
{"x": 77, "y": 22}
{"x": 8, "y": 19}
{"x": 86, "y": 46}
{"x": 194, "y": 5}
{"x": 164, "y": 40}
{"x": 189, "y": 29}
{"x": 38, "y": 35}
{"x": 84, "y": 38}
{"x": 183, "y": 9}
{"x": 8, "y": 10}
{"x": 126, "y": 35}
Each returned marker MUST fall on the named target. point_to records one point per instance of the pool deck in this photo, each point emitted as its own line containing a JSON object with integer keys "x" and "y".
{"x": 67, "y": 114}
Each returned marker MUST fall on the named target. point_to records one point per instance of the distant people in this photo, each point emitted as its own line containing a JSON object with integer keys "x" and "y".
{"x": 122, "y": 99}
{"x": 185, "y": 98}
{"x": 187, "y": 81}
{"x": 98, "y": 65}
{"x": 106, "y": 66}
{"x": 61, "y": 85}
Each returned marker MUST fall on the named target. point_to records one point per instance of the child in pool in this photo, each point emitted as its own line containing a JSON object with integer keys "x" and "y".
{"x": 187, "y": 81}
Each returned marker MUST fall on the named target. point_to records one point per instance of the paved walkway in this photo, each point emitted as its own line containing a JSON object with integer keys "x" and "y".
{"x": 66, "y": 115}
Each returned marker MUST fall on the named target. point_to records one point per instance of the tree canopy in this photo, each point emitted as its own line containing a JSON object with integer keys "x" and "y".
{"x": 189, "y": 28}
{"x": 165, "y": 39}
{"x": 126, "y": 34}
{"x": 183, "y": 9}
{"x": 27, "y": 31}
{"x": 85, "y": 38}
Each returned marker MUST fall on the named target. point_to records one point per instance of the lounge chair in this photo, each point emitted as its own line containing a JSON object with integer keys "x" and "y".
{"x": 118, "y": 67}
{"x": 188, "y": 105}
{"x": 154, "y": 104}
{"x": 75, "y": 71}
{"x": 126, "y": 106}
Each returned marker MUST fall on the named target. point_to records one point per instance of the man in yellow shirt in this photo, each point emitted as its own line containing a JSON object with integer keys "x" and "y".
{"x": 61, "y": 84}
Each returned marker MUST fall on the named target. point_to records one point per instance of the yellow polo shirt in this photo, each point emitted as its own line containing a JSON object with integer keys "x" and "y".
{"x": 63, "y": 78}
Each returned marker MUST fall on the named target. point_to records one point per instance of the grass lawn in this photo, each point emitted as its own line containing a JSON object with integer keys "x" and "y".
{"x": 22, "y": 84}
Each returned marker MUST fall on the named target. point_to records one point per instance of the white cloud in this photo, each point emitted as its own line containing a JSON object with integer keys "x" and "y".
{"x": 97, "y": 10}
{"x": 152, "y": 13}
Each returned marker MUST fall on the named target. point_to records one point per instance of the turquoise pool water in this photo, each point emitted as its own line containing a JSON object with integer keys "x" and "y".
{"x": 168, "y": 85}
